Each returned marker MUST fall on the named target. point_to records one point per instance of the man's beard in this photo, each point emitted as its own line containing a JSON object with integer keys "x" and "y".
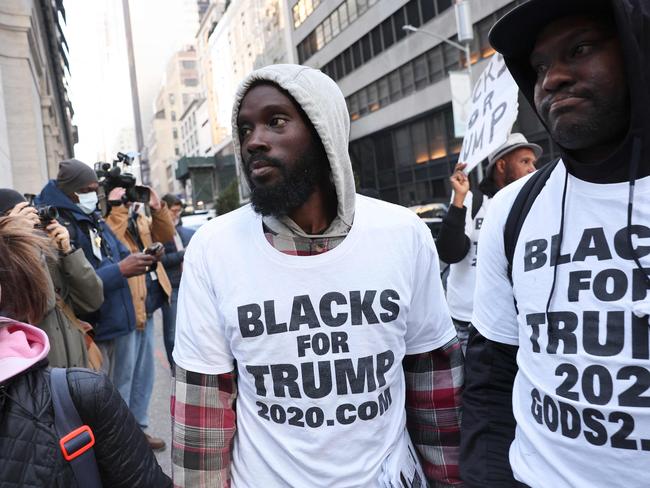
{"x": 606, "y": 121}
{"x": 294, "y": 186}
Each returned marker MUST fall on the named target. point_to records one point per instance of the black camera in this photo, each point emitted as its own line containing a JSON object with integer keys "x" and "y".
{"x": 46, "y": 213}
{"x": 114, "y": 175}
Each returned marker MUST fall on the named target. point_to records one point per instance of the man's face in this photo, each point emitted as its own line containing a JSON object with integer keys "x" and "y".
{"x": 581, "y": 92}
{"x": 90, "y": 187}
{"x": 518, "y": 163}
{"x": 283, "y": 160}
{"x": 176, "y": 212}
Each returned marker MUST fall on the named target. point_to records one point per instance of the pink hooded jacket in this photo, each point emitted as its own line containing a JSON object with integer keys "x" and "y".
{"x": 21, "y": 346}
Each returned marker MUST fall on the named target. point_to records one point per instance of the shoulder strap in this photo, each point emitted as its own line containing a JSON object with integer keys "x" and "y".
{"x": 520, "y": 209}
{"x": 477, "y": 202}
{"x": 75, "y": 439}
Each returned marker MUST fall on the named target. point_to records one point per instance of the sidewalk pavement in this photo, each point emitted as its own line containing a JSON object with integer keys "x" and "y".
{"x": 160, "y": 420}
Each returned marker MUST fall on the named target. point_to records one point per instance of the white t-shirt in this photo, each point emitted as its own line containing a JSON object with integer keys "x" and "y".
{"x": 462, "y": 275}
{"x": 318, "y": 341}
{"x": 580, "y": 397}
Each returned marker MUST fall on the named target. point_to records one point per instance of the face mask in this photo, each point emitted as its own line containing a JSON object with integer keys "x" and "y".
{"x": 87, "y": 202}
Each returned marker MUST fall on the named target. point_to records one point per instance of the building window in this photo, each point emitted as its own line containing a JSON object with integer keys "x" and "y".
{"x": 373, "y": 97}
{"x": 388, "y": 33}
{"x": 173, "y": 116}
{"x": 175, "y": 133}
{"x": 436, "y": 64}
{"x": 172, "y": 99}
{"x": 384, "y": 35}
{"x": 365, "y": 48}
{"x": 339, "y": 20}
{"x": 443, "y": 5}
{"x": 384, "y": 91}
{"x": 334, "y": 21}
{"x": 191, "y": 82}
{"x": 377, "y": 46}
{"x": 397, "y": 161}
{"x": 428, "y": 10}
{"x": 436, "y": 137}
{"x": 302, "y": 10}
{"x": 357, "y": 60}
{"x": 343, "y": 16}
{"x": 408, "y": 82}
{"x": 398, "y": 21}
{"x": 177, "y": 151}
{"x": 188, "y": 64}
{"x": 413, "y": 14}
{"x": 420, "y": 72}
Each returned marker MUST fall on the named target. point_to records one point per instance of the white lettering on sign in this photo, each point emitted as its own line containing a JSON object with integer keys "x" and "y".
{"x": 493, "y": 113}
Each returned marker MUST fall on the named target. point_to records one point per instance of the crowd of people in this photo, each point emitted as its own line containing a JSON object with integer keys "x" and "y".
{"x": 309, "y": 334}
{"x": 88, "y": 286}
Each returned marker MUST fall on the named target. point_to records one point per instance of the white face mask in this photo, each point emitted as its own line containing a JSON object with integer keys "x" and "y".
{"x": 87, "y": 202}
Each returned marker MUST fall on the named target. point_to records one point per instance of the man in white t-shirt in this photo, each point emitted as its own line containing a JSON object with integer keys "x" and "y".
{"x": 558, "y": 368}
{"x": 457, "y": 242}
{"x": 317, "y": 313}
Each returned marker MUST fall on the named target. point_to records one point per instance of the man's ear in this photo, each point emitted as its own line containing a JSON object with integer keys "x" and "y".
{"x": 500, "y": 166}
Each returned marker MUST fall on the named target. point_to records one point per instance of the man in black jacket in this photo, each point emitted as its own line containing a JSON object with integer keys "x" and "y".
{"x": 458, "y": 240}
{"x": 173, "y": 262}
{"x": 557, "y": 368}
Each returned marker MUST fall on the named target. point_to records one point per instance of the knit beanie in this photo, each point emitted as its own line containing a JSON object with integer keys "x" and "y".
{"x": 74, "y": 175}
{"x": 9, "y": 199}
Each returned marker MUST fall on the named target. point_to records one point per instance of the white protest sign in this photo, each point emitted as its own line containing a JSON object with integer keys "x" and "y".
{"x": 461, "y": 100}
{"x": 492, "y": 114}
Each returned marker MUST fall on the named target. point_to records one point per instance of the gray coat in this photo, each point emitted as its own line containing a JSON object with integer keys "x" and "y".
{"x": 75, "y": 281}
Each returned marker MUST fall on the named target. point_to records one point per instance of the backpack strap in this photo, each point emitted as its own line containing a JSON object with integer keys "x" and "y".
{"x": 520, "y": 209}
{"x": 75, "y": 438}
{"x": 477, "y": 202}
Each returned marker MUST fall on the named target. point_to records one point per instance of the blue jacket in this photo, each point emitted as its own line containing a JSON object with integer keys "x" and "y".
{"x": 173, "y": 258}
{"x": 116, "y": 317}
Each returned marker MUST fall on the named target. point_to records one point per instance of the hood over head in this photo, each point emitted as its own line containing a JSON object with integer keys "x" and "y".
{"x": 323, "y": 103}
{"x": 514, "y": 36}
{"x": 21, "y": 346}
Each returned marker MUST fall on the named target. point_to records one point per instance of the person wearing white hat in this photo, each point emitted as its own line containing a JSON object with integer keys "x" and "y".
{"x": 457, "y": 241}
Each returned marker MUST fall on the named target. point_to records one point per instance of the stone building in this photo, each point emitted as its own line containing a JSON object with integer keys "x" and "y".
{"x": 35, "y": 113}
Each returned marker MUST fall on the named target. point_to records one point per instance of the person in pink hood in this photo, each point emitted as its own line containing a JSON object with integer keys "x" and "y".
{"x": 30, "y": 454}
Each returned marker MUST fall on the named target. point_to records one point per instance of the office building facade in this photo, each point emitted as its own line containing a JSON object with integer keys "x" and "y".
{"x": 36, "y": 131}
{"x": 396, "y": 85}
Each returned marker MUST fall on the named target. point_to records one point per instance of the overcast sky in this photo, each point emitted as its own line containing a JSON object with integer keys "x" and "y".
{"x": 99, "y": 81}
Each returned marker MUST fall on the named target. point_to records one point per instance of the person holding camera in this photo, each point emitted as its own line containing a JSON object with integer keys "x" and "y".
{"x": 148, "y": 291}
{"x": 74, "y": 194}
{"x": 31, "y": 451}
{"x": 73, "y": 287}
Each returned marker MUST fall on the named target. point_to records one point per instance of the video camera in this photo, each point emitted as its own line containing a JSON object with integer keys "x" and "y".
{"x": 115, "y": 175}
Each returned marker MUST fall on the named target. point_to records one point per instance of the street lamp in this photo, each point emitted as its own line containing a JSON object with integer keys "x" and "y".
{"x": 465, "y": 48}
{"x": 465, "y": 32}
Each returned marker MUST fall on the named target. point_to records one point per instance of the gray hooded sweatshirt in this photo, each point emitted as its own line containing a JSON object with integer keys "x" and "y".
{"x": 321, "y": 99}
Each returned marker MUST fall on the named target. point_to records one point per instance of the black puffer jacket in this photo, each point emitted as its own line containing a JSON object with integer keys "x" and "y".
{"x": 29, "y": 452}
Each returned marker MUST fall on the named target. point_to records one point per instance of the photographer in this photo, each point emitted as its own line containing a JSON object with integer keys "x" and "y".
{"x": 31, "y": 454}
{"x": 73, "y": 287}
{"x": 74, "y": 194}
{"x": 149, "y": 291}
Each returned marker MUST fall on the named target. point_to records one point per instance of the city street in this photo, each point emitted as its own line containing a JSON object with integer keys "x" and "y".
{"x": 159, "y": 409}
